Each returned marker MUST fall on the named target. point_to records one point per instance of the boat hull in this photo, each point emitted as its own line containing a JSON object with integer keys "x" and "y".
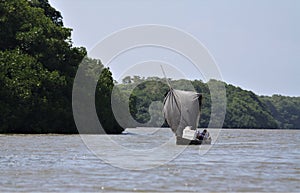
{"x": 184, "y": 141}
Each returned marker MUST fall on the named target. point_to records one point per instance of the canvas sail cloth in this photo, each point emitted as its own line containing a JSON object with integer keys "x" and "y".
{"x": 182, "y": 109}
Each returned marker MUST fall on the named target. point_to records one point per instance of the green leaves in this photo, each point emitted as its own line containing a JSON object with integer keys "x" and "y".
{"x": 38, "y": 65}
{"x": 246, "y": 110}
{"x": 103, "y": 97}
{"x": 15, "y": 69}
{"x": 286, "y": 110}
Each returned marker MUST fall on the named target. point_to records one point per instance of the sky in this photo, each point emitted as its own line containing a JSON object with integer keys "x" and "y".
{"x": 255, "y": 43}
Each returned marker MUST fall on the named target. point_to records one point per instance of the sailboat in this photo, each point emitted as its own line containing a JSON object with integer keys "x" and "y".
{"x": 182, "y": 112}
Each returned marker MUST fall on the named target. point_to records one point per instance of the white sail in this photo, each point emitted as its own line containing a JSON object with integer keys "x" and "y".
{"x": 182, "y": 109}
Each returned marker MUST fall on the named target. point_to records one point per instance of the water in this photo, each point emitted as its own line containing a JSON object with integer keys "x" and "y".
{"x": 241, "y": 160}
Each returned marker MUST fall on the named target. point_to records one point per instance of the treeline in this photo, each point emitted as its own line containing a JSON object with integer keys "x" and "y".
{"x": 38, "y": 64}
{"x": 244, "y": 109}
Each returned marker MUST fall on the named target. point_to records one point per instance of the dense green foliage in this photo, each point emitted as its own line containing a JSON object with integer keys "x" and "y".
{"x": 103, "y": 96}
{"x": 285, "y": 110}
{"x": 244, "y": 109}
{"x": 37, "y": 67}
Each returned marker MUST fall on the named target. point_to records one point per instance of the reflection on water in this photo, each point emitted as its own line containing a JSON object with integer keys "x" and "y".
{"x": 241, "y": 160}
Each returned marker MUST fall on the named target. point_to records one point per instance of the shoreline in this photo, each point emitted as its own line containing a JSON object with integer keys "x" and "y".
{"x": 54, "y": 134}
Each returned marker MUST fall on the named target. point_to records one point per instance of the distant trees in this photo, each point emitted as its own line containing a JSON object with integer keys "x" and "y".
{"x": 285, "y": 110}
{"x": 244, "y": 109}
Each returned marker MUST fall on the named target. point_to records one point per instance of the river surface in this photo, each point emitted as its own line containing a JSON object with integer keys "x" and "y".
{"x": 239, "y": 160}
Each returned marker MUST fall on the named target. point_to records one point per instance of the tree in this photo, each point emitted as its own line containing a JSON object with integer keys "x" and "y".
{"x": 245, "y": 110}
{"x": 286, "y": 110}
{"x": 49, "y": 11}
{"x": 38, "y": 65}
{"x": 126, "y": 80}
{"x": 103, "y": 103}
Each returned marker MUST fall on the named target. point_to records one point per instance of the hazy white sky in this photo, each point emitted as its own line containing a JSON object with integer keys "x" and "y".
{"x": 256, "y": 43}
